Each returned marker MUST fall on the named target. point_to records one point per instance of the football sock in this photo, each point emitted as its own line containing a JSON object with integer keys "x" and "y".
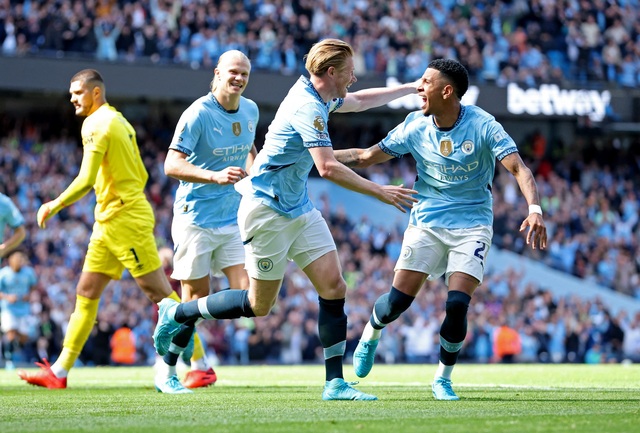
{"x": 332, "y": 330}
{"x": 178, "y": 344}
{"x": 198, "y": 360}
{"x": 200, "y": 364}
{"x": 454, "y": 327}
{"x": 80, "y": 325}
{"x": 444, "y": 371}
{"x": 389, "y": 307}
{"x": 370, "y": 333}
{"x": 227, "y": 304}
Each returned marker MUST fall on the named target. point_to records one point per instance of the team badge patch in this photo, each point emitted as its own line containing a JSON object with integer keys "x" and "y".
{"x": 467, "y": 147}
{"x": 318, "y": 123}
{"x": 250, "y": 126}
{"x": 265, "y": 265}
{"x": 406, "y": 252}
{"x": 446, "y": 146}
{"x": 237, "y": 129}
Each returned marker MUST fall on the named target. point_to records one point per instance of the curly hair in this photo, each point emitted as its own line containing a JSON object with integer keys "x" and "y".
{"x": 454, "y": 72}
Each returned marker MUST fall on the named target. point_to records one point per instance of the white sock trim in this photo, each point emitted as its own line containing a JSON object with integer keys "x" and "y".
{"x": 370, "y": 333}
{"x": 375, "y": 319}
{"x": 59, "y": 371}
{"x": 174, "y": 348}
{"x": 202, "y": 307}
{"x": 444, "y": 371}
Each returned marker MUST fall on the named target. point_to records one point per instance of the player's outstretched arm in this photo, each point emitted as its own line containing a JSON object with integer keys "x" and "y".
{"x": 361, "y": 158}
{"x": 80, "y": 186}
{"x": 375, "y": 97}
{"x": 331, "y": 169}
{"x": 537, "y": 234}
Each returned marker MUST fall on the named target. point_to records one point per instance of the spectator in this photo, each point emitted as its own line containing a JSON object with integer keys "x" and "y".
{"x": 507, "y": 344}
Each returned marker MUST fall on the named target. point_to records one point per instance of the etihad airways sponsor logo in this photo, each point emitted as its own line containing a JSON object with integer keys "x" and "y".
{"x": 551, "y": 100}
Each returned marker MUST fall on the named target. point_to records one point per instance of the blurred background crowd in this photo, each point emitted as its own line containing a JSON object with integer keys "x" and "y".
{"x": 589, "y": 188}
{"x": 529, "y": 42}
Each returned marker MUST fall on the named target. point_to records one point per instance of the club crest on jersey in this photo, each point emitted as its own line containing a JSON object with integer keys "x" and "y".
{"x": 406, "y": 252}
{"x": 237, "y": 129}
{"x": 467, "y": 147}
{"x": 265, "y": 265}
{"x": 318, "y": 123}
{"x": 250, "y": 126}
{"x": 446, "y": 146}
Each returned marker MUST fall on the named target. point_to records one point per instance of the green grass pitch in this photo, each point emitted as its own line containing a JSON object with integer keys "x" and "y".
{"x": 495, "y": 398}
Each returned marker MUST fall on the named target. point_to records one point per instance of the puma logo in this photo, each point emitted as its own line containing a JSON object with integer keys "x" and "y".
{"x": 218, "y": 130}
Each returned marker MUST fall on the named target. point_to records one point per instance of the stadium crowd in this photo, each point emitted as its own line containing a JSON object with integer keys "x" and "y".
{"x": 591, "y": 213}
{"x": 529, "y": 42}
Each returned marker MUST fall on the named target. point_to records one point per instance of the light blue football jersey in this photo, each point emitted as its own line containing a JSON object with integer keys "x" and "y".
{"x": 10, "y": 215}
{"x": 455, "y": 166}
{"x": 213, "y": 139}
{"x": 281, "y": 169}
{"x": 17, "y": 283}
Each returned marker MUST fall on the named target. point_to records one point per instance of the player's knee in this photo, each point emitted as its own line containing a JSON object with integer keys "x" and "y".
{"x": 391, "y": 305}
{"x": 261, "y": 309}
{"x": 457, "y": 304}
{"x": 335, "y": 289}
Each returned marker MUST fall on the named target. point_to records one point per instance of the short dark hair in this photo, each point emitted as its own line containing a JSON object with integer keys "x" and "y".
{"x": 455, "y": 72}
{"x": 90, "y": 76}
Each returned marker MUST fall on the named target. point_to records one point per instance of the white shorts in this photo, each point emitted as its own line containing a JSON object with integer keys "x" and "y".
{"x": 438, "y": 251}
{"x": 20, "y": 324}
{"x": 271, "y": 239}
{"x": 200, "y": 251}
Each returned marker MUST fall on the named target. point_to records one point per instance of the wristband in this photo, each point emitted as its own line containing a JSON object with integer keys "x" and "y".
{"x": 535, "y": 208}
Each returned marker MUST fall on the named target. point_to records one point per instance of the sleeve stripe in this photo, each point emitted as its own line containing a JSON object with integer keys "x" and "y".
{"x": 507, "y": 152}
{"x": 308, "y": 144}
{"x": 388, "y": 151}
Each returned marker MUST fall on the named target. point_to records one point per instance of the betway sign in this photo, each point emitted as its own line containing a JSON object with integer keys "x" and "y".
{"x": 550, "y": 100}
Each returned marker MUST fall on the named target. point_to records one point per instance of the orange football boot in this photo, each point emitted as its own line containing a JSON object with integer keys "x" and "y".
{"x": 200, "y": 378}
{"x": 44, "y": 377}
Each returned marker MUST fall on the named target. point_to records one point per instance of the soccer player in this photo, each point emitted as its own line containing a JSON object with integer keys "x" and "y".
{"x": 10, "y": 216}
{"x": 277, "y": 219}
{"x": 211, "y": 150}
{"x": 16, "y": 282}
{"x": 450, "y": 228}
{"x": 123, "y": 230}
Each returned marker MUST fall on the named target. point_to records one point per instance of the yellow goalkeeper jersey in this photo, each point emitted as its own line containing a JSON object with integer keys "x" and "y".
{"x": 122, "y": 176}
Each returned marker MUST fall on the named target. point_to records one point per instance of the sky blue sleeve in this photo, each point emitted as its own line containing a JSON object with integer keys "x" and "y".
{"x": 187, "y": 132}
{"x": 14, "y": 217}
{"x": 310, "y": 121}
{"x": 396, "y": 141}
{"x": 500, "y": 142}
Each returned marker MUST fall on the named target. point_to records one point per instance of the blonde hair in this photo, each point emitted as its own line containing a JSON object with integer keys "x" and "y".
{"x": 327, "y": 53}
{"x": 228, "y": 55}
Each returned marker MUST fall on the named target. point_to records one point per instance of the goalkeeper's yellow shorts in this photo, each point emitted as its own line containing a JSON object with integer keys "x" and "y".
{"x": 124, "y": 241}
